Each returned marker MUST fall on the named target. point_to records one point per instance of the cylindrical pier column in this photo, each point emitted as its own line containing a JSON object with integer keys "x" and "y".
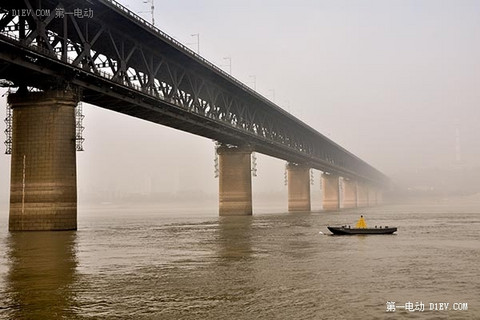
{"x": 331, "y": 198}
{"x": 362, "y": 192}
{"x": 372, "y": 196}
{"x": 298, "y": 177}
{"x": 379, "y": 197}
{"x": 43, "y": 189}
{"x": 350, "y": 194}
{"x": 235, "y": 180}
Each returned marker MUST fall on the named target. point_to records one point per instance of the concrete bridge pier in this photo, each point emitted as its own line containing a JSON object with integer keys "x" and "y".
{"x": 331, "y": 191}
{"x": 350, "y": 194}
{"x": 362, "y": 192}
{"x": 43, "y": 189}
{"x": 235, "y": 180}
{"x": 372, "y": 196}
{"x": 379, "y": 197}
{"x": 298, "y": 177}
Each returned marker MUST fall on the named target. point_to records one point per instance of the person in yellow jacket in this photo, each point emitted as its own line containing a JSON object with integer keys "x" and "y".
{"x": 361, "y": 223}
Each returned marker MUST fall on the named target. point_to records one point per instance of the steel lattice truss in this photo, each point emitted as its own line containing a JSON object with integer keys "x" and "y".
{"x": 122, "y": 63}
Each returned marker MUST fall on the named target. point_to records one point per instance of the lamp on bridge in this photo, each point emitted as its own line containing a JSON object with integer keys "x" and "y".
{"x": 254, "y": 78}
{"x": 152, "y": 9}
{"x": 229, "y": 64}
{"x": 273, "y": 94}
{"x": 198, "y": 41}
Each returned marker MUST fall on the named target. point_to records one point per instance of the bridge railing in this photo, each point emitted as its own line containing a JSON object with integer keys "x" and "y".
{"x": 265, "y": 100}
{"x": 193, "y": 53}
{"x": 275, "y": 136}
{"x": 187, "y": 50}
{"x": 70, "y": 61}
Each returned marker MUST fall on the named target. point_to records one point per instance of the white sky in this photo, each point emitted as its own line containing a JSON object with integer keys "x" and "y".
{"x": 387, "y": 80}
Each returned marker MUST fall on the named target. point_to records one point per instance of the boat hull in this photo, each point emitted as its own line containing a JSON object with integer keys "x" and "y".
{"x": 352, "y": 231}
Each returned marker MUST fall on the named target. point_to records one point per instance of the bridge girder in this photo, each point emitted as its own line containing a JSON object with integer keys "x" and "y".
{"x": 124, "y": 64}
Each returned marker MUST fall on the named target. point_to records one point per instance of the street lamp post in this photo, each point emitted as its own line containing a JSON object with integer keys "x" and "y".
{"x": 273, "y": 94}
{"x": 254, "y": 78}
{"x": 229, "y": 64}
{"x": 198, "y": 41}
{"x": 152, "y": 9}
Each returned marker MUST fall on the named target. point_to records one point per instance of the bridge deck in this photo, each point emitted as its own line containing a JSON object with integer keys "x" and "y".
{"x": 124, "y": 64}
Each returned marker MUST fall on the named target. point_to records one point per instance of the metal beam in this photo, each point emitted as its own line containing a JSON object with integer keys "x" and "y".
{"x": 120, "y": 60}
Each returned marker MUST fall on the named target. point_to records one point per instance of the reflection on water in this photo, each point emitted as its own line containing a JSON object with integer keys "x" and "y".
{"x": 41, "y": 275}
{"x": 144, "y": 265}
{"x": 234, "y": 238}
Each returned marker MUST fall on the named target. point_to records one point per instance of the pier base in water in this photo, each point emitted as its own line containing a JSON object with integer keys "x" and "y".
{"x": 298, "y": 188}
{"x": 349, "y": 194}
{"x": 43, "y": 189}
{"x": 331, "y": 197}
{"x": 235, "y": 181}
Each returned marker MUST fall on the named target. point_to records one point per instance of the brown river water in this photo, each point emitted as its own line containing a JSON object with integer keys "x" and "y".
{"x": 126, "y": 263}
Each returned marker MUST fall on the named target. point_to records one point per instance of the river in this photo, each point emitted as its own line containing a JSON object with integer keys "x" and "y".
{"x": 127, "y": 263}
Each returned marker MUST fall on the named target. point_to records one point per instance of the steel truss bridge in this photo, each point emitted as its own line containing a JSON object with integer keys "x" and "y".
{"x": 119, "y": 61}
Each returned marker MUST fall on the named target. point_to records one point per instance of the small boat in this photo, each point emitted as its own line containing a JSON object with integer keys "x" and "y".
{"x": 361, "y": 228}
{"x": 344, "y": 230}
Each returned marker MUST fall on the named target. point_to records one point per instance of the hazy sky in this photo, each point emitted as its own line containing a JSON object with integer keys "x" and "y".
{"x": 387, "y": 80}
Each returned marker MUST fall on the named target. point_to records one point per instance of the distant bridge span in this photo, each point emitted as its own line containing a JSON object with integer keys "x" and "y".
{"x": 101, "y": 53}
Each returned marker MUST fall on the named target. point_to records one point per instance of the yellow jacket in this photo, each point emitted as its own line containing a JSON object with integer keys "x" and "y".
{"x": 361, "y": 223}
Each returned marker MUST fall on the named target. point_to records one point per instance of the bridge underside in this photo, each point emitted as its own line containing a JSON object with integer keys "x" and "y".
{"x": 117, "y": 61}
{"x": 150, "y": 76}
{"x": 60, "y": 214}
{"x": 107, "y": 94}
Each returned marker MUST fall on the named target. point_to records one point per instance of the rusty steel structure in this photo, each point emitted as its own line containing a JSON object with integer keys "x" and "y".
{"x": 118, "y": 61}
